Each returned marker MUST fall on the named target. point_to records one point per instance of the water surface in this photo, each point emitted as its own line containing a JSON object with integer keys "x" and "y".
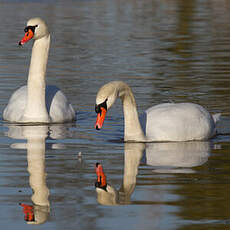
{"x": 166, "y": 51}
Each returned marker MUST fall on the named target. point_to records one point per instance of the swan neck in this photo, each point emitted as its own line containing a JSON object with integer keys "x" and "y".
{"x": 133, "y": 130}
{"x": 39, "y": 59}
{"x": 36, "y": 106}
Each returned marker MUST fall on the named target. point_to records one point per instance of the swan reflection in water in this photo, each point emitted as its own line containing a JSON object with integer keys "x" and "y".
{"x": 36, "y": 146}
{"x": 177, "y": 157}
{"x": 173, "y": 157}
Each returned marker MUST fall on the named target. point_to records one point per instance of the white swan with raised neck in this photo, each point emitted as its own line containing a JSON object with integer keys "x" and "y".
{"x": 163, "y": 122}
{"x": 36, "y": 102}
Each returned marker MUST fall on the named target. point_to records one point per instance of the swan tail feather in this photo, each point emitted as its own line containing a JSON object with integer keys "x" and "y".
{"x": 216, "y": 117}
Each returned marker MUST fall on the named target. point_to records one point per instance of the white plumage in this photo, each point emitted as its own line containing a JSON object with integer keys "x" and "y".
{"x": 163, "y": 122}
{"x": 179, "y": 122}
{"x": 36, "y": 102}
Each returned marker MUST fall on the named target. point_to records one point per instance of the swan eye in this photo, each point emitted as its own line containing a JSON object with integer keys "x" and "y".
{"x": 103, "y": 105}
{"x": 30, "y": 28}
{"x": 97, "y": 108}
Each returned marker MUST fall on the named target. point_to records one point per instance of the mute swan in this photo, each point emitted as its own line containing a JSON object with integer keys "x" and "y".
{"x": 163, "y": 122}
{"x": 36, "y": 102}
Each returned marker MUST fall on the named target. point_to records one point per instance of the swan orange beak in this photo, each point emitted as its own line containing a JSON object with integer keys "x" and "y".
{"x": 28, "y": 35}
{"x": 100, "y": 118}
{"x": 101, "y": 178}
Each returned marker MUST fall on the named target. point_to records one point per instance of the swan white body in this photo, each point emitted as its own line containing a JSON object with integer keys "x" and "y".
{"x": 178, "y": 122}
{"x": 164, "y": 122}
{"x": 37, "y": 102}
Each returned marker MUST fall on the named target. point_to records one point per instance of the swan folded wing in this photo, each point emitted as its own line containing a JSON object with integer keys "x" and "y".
{"x": 216, "y": 117}
{"x": 58, "y": 107}
{"x": 179, "y": 122}
{"x": 16, "y": 105}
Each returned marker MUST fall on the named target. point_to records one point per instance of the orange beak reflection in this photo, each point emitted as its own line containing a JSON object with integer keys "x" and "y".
{"x": 28, "y": 211}
{"x": 100, "y": 118}
{"x": 27, "y": 37}
{"x": 101, "y": 178}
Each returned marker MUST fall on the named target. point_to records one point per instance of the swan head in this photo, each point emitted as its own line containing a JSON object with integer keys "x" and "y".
{"x": 36, "y": 28}
{"x": 106, "y": 96}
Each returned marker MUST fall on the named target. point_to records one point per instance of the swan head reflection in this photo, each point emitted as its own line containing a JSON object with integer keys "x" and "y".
{"x": 107, "y": 194}
{"x": 35, "y": 214}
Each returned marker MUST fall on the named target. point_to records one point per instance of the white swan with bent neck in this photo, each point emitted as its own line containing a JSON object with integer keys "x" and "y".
{"x": 36, "y": 102}
{"x": 163, "y": 122}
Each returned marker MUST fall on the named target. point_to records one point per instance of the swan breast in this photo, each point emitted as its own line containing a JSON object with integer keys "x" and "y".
{"x": 57, "y": 105}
